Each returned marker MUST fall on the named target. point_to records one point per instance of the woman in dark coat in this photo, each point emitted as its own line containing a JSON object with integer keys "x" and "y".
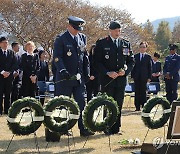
{"x": 43, "y": 74}
{"x": 92, "y": 86}
{"x": 30, "y": 67}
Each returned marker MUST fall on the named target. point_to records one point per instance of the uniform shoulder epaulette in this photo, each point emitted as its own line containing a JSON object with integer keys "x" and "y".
{"x": 100, "y": 39}
{"x": 125, "y": 40}
{"x": 82, "y": 34}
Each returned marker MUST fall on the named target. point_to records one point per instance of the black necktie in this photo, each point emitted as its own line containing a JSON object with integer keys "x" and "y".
{"x": 75, "y": 40}
{"x": 142, "y": 56}
{"x": 115, "y": 43}
{"x": 5, "y": 53}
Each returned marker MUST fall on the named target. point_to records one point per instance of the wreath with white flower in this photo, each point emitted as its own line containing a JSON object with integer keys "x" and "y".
{"x": 61, "y": 114}
{"x": 148, "y": 115}
{"x": 25, "y": 116}
{"x": 112, "y": 112}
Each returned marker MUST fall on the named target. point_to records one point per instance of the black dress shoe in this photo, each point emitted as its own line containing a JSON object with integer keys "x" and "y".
{"x": 137, "y": 110}
{"x": 67, "y": 133}
{"x": 5, "y": 112}
{"x": 117, "y": 133}
{"x": 86, "y": 133}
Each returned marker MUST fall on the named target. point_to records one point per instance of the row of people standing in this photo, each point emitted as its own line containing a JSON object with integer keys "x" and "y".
{"x": 148, "y": 69}
{"x": 113, "y": 62}
{"x": 19, "y": 74}
{"x": 112, "y": 59}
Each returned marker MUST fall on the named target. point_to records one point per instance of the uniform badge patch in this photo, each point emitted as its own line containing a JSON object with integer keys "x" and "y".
{"x": 69, "y": 53}
{"x": 107, "y": 56}
{"x": 126, "y": 51}
{"x": 56, "y": 59}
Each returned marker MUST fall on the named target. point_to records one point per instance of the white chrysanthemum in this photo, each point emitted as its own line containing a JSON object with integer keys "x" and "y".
{"x": 78, "y": 76}
{"x": 137, "y": 141}
{"x": 130, "y": 141}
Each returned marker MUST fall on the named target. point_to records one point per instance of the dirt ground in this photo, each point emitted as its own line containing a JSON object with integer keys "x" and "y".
{"x": 132, "y": 127}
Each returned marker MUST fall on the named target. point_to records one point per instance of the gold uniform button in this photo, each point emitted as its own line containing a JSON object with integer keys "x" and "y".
{"x": 56, "y": 59}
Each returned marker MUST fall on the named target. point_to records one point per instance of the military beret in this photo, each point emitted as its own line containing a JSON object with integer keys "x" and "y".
{"x": 173, "y": 47}
{"x": 114, "y": 25}
{"x": 3, "y": 39}
{"x": 76, "y": 22}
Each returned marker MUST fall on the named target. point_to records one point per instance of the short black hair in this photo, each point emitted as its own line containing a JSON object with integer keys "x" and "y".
{"x": 157, "y": 55}
{"x": 3, "y": 38}
{"x": 41, "y": 52}
{"x": 14, "y": 44}
{"x": 144, "y": 42}
{"x": 36, "y": 51}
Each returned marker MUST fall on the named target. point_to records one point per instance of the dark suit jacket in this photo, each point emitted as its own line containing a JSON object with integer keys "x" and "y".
{"x": 29, "y": 65}
{"x": 7, "y": 63}
{"x": 71, "y": 56}
{"x": 109, "y": 57}
{"x": 43, "y": 74}
{"x": 18, "y": 79}
{"x": 155, "y": 69}
{"x": 93, "y": 70}
{"x": 172, "y": 65}
{"x": 142, "y": 69}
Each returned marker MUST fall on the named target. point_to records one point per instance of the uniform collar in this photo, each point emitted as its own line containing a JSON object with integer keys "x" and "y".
{"x": 113, "y": 38}
{"x": 4, "y": 50}
{"x": 172, "y": 55}
{"x": 72, "y": 34}
{"x": 30, "y": 54}
{"x": 155, "y": 62}
{"x": 143, "y": 53}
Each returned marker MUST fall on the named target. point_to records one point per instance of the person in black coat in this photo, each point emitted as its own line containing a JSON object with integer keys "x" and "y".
{"x": 141, "y": 74}
{"x": 8, "y": 65}
{"x": 30, "y": 67}
{"x": 43, "y": 74}
{"x": 156, "y": 68}
{"x": 114, "y": 60}
{"x": 17, "y": 82}
{"x": 92, "y": 85}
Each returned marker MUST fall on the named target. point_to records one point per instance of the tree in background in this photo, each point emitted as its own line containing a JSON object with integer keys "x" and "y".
{"x": 176, "y": 32}
{"x": 163, "y": 36}
{"x": 41, "y": 20}
{"x": 148, "y": 31}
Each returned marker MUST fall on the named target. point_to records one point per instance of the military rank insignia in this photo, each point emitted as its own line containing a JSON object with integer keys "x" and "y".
{"x": 69, "y": 53}
{"x": 107, "y": 56}
{"x": 56, "y": 59}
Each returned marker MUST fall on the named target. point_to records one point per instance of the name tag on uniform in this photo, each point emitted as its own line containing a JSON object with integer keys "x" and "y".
{"x": 69, "y": 46}
{"x": 173, "y": 59}
{"x": 106, "y": 48}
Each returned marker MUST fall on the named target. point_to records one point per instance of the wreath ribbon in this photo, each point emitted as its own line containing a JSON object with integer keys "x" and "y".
{"x": 143, "y": 114}
{"x": 25, "y": 119}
